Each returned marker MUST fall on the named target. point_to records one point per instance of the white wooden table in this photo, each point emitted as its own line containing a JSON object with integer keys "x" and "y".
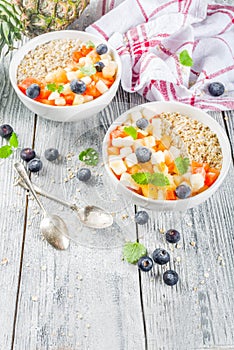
{"x": 87, "y": 297}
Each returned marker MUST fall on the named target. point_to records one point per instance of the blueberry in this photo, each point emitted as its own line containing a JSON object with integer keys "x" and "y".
{"x": 27, "y": 154}
{"x": 183, "y": 191}
{"x": 101, "y": 49}
{"x": 35, "y": 165}
{"x": 6, "y": 131}
{"x": 141, "y": 217}
{"x": 170, "y": 277}
{"x": 51, "y": 154}
{"x": 145, "y": 263}
{"x": 216, "y": 89}
{"x": 161, "y": 256}
{"x": 77, "y": 86}
{"x": 84, "y": 174}
{"x": 33, "y": 91}
{"x": 99, "y": 66}
{"x": 143, "y": 154}
{"x": 142, "y": 123}
{"x": 172, "y": 236}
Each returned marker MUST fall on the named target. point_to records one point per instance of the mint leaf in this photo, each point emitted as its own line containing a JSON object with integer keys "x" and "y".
{"x": 185, "y": 58}
{"x": 89, "y": 156}
{"x": 141, "y": 178}
{"x": 88, "y": 70}
{"x": 156, "y": 179}
{"x": 90, "y": 44}
{"x": 51, "y": 87}
{"x": 5, "y": 151}
{"x": 159, "y": 179}
{"x": 13, "y": 140}
{"x": 133, "y": 251}
{"x": 60, "y": 88}
{"x": 130, "y": 130}
{"x": 182, "y": 165}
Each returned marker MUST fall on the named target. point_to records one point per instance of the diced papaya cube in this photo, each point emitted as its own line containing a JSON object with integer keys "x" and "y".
{"x": 76, "y": 55}
{"x": 113, "y": 151}
{"x": 170, "y": 195}
{"x": 60, "y": 76}
{"x": 85, "y": 50}
{"x": 117, "y": 133}
{"x": 91, "y": 90}
{"x": 44, "y": 93}
{"x": 69, "y": 98}
{"x": 210, "y": 178}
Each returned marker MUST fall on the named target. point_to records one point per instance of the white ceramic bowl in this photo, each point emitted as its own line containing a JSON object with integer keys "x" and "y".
{"x": 64, "y": 113}
{"x": 181, "y": 204}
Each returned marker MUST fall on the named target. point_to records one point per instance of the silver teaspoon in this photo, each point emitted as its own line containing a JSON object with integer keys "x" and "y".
{"x": 52, "y": 227}
{"x": 91, "y": 216}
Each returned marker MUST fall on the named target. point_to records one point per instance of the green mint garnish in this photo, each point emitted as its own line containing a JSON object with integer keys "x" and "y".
{"x": 182, "y": 165}
{"x": 185, "y": 59}
{"x": 90, "y": 44}
{"x": 157, "y": 179}
{"x": 133, "y": 251}
{"x": 130, "y": 130}
{"x": 14, "y": 140}
{"x": 89, "y": 156}
{"x": 5, "y": 151}
{"x": 88, "y": 70}
{"x": 53, "y": 87}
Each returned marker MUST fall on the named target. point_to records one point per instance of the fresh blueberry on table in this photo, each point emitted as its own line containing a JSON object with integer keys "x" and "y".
{"x": 161, "y": 256}
{"x": 35, "y": 165}
{"x": 142, "y": 123}
{"x": 27, "y": 154}
{"x": 33, "y": 91}
{"x": 84, "y": 174}
{"x": 145, "y": 263}
{"x": 99, "y": 66}
{"x": 101, "y": 49}
{"x": 51, "y": 154}
{"x": 172, "y": 236}
{"x": 170, "y": 277}
{"x": 6, "y": 131}
{"x": 183, "y": 191}
{"x": 141, "y": 217}
{"x": 77, "y": 86}
{"x": 216, "y": 89}
{"x": 143, "y": 154}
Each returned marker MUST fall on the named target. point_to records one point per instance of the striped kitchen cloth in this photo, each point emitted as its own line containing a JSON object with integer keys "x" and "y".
{"x": 149, "y": 36}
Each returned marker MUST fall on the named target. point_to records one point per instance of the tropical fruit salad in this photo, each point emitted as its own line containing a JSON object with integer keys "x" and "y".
{"x": 66, "y": 72}
{"x": 165, "y": 156}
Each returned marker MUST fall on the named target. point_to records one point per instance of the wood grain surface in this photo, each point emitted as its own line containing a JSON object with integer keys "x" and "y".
{"x": 87, "y": 297}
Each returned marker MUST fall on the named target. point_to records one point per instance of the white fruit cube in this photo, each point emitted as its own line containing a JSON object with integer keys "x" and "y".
{"x": 66, "y": 89}
{"x": 54, "y": 95}
{"x": 123, "y": 141}
{"x": 88, "y": 98}
{"x": 174, "y": 151}
{"x": 73, "y": 75}
{"x": 60, "y": 101}
{"x": 157, "y": 130}
{"x": 149, "y": 141}
{"x": 78, "y": 100}
{"x": 197, "y": 181}
{"x": 125, "y": 151}
{"x": 86, "y": 80}
{"x": 117, "y": 165}
{"x": 131, "y": 160}
{"x": 158, "y": 157}
{"x": 138, "y": 143}
{"x": 101, "y": 86}
{"x": 128, "y": 181}
{"x": 161, "y": 194}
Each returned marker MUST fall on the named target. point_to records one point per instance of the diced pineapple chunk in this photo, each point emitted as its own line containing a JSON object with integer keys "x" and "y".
{"x": 158, "y": 157}
{"x": 73, "y": 75}
{"x": 177, "y": 179}
{"x": 122, "y": 141}
{"x": 66, "y": 89}
{"x": 150, "y": 191}
{"x": 149, "y": 141}
{"x": 131, "y": 160}
{"x": 157, "y": 129}
{"x": 54, "y": 95}
{"x": 88, "y": 98}
{"x": 197, "y": 181}
{"x": 60, "y": 101}
{"x": 125, "y": 151}
{"x": 108, "y": 71}
{"x": 101, "y": 86}
{"x": 117, "y": 165}
{"x": 166, "y": 140}
{"x": 128, "y": 181}
{"x": 78, "y": 100}
{"x": 86, "y": 80}
{"x": 113, "y": 151}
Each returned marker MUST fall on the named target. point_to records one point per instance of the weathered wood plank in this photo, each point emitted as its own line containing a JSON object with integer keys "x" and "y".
{"x": 189, "y": 315}
{"x": 12, "y": 206}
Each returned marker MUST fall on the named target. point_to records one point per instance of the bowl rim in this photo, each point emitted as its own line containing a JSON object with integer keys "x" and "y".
{"x": 200, "y": 197}
{"x": 15, "y": 61}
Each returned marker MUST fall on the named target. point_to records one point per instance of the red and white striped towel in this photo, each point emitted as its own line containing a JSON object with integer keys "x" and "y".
{"x": 150, "y": 34}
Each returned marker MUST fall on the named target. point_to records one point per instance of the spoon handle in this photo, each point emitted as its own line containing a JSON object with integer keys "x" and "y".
{"x": 24, "y": 176}
{"x": 38, "y": 190}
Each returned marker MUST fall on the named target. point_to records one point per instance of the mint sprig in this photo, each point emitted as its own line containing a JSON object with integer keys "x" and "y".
{"x": 7, "y": 150}
{"x": 182, "y": 165}
{"x": 156, "y": 179}
{"x": 133, "y": 251}
{"x": 89, "y": 156}
{"x": 90, "y": 44}
{"x": 88, "y": 70}
{"x": 185, "y": 59}
{"x": 54, "y": 87}
{"x": 131, "y": 131}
